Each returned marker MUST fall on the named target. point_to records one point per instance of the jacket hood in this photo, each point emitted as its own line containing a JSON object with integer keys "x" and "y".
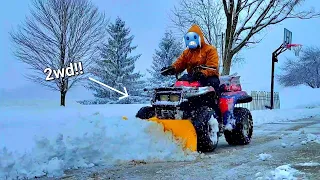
{"x": 197, "y": 29}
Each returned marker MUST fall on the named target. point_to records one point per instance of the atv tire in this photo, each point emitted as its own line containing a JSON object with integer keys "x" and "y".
{"x": 242, "y": 133}
{"x": 146, "y": 112}
{"x": 201, "y": 124}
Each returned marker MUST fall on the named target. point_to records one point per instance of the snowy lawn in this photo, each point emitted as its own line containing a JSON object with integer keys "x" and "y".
{"x": 299, "y": 97}
{"x": 46, "y": 140}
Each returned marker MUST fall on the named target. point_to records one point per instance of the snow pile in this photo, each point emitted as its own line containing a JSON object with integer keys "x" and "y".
{"x": 285, "y": 172}
{"x": 284, "y": 145}
{"x": 264, "y": 157}
{"x": 311, "y": 138}
{"x": 280, "y": 115}
{"x": 49, "y": 144}
{"x": 308, "y": 164}
{"x": 299, "y": 97}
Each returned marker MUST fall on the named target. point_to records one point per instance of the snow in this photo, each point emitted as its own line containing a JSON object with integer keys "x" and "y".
{"x": 303, "y": 142}
{"x": 230, "y": 125}
{"x": 47, "y": 141}
{"x": 285, "y": 172}
{"x": 264, "y": 157}
{"x": 311, "y": 138}
{"x": 308, "y": 164}
{"x": 213, "y": 122}
{"x": 299, "y": 97}
{"x": 281, "y": 115}
{"x": 44, "y": 139}
{"x": 284, "y": 145}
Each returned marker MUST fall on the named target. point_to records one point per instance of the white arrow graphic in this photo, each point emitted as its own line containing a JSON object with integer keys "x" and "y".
{"x": 125, "y": 93}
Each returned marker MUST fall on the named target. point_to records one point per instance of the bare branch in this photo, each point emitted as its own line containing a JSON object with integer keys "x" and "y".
{"x": 57, "y": 33}
{"x": 308, "y": 63}
{"x": 207, "y": 14}
{"x": 246, "y": 19}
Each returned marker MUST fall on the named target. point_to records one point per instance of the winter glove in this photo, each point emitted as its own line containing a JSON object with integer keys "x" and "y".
{"x": 198, "y": 75}
{"x": 168, "y": 71}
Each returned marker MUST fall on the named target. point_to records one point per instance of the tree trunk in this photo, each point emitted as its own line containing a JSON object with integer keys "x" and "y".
{"x": 227, "y": 65}
{"x": 63, "y": 98}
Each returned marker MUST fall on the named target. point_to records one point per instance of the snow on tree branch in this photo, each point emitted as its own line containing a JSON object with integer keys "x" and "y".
{"x": 304, "y": 70}
{"x": 57, "y": 33}
{"x": 115, "y": 67}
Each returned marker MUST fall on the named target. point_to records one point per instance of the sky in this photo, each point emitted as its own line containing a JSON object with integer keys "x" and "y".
{"x": 148, "y": 21}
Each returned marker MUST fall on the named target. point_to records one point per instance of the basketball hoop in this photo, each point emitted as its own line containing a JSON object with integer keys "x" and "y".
{"x": 295, "y": 47}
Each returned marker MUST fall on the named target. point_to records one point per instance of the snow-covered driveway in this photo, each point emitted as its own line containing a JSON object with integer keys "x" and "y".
{"x": 284, "y": 150}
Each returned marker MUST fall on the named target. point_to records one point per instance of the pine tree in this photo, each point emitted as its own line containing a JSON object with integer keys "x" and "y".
{"x": 116, "y": 68}
{"x": 169, "y": 50}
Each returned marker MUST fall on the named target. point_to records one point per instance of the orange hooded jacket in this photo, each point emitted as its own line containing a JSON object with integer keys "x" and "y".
{"x": 205, "y": 55}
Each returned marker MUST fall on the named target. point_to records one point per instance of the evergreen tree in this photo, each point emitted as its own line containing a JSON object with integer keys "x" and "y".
{"x": 116, "y": 68}
{"x": 169, "y": 50}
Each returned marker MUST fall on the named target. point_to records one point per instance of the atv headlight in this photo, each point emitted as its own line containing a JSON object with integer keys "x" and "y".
{"x": 174, "y": 98}
{"x": 164, "y": 98}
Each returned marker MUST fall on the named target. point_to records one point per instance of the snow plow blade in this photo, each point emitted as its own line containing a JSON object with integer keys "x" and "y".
{"x": 183, "y": 131}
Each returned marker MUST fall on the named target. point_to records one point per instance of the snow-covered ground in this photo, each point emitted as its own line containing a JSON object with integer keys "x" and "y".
{"x": 49, "y": 140}
{"x": 38, "y": 139}
{"x": 299, "y": 97}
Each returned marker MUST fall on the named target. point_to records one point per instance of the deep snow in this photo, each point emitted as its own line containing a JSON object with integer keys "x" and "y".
{"x": 299, "y": 97}
{"x": 38, "y": 139}
{"x": 49, "y": 141}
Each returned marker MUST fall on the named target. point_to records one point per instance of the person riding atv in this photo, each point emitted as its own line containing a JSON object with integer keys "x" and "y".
{"x": 197, "y": 53}
{"x": 197, "y": 109}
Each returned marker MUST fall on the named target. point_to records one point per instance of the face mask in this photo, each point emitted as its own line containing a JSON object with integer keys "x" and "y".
{"x": 192, "y": 40}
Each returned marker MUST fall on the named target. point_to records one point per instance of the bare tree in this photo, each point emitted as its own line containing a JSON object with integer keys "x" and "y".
{"x": 304, "y": 70}
{"x": 208, "y": 15}
{"x": 246, "y": 18}
{"x": 205, "y": 13}
{"x": 59, "y": 32}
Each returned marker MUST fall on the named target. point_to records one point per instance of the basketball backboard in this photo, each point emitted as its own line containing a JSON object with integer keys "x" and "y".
{"x": 287, "y": 38}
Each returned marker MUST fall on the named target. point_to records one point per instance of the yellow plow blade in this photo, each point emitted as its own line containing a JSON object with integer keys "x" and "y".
{"x": 182, "y": 130}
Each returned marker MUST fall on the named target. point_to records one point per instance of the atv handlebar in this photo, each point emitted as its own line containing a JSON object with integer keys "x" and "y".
{"x": 205, "y": 67}
{"x": 197, "y": 67}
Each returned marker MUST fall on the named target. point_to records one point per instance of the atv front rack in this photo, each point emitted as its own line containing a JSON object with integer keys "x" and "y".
{"x": 167, "y": 101}
{"x": 184, "y": 92}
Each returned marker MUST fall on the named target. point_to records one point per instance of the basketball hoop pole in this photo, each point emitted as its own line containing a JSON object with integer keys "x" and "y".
{"x": 275, "y": 55}
{"x": 282, "y": 48}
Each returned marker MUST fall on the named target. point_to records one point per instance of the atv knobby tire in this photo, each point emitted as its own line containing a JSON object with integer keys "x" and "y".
{"x": 242, "y": 133}
{"x": 201, "y": 124}
{"x": 146, "y": 112}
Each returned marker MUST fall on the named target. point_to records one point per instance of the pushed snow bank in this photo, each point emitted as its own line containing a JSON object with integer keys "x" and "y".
{"x": 299, "y": 97}
{"x": 280, "y": 115}
{"x": 36, "y": 144}
{"x": 286, "y": 172}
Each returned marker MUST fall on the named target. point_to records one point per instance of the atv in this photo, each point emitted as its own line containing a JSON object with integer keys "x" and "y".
{"x": 197, "y": 116}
